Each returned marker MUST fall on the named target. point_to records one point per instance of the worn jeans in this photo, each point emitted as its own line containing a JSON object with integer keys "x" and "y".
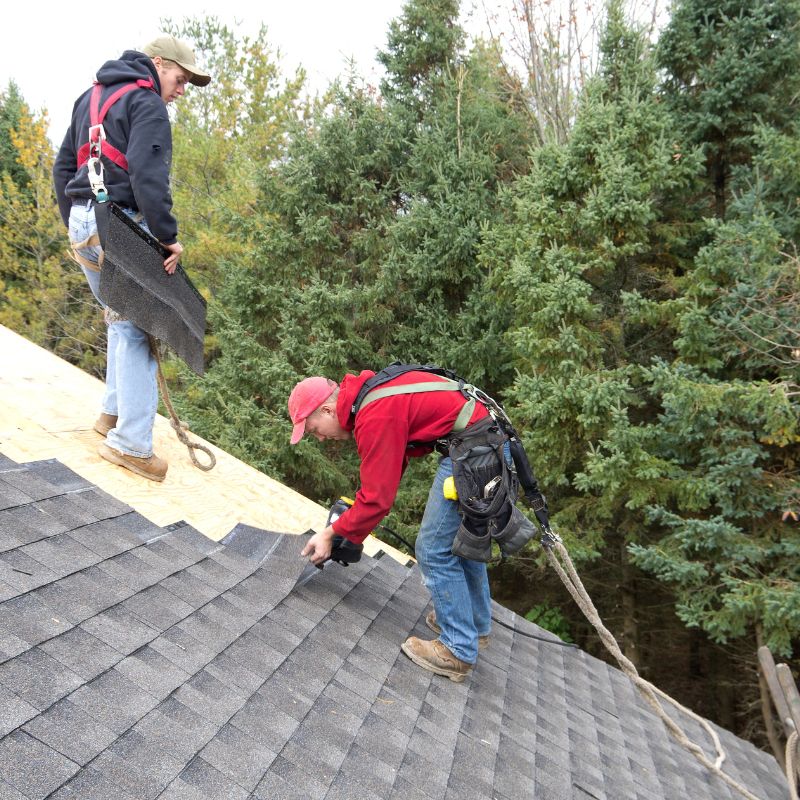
{"x": 459, "y": 587}
{"x": 131, "y": 390}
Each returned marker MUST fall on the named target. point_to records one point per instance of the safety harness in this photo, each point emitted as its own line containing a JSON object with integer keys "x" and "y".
{"x": 486, "y": 483}
{"x": 90, "y": 154}
{"x": 98, "y": 143}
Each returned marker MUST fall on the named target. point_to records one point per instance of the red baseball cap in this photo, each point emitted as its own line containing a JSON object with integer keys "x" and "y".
{"x": 306, "y": 398}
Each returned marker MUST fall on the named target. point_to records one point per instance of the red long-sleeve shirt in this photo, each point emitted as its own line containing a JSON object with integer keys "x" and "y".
{"x": 382, "y": 432}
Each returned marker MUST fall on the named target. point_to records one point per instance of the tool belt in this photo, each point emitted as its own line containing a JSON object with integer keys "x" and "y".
{"x": 487, "y": 488}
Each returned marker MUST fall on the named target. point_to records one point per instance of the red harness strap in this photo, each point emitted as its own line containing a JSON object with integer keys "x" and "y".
{"x": 96, "y": 118}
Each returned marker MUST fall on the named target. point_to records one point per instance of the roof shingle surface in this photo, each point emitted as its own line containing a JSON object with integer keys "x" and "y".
{"x": 144, "y": 662}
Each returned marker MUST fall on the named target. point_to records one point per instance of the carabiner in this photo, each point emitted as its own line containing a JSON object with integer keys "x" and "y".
{"x": 95, "y": 170}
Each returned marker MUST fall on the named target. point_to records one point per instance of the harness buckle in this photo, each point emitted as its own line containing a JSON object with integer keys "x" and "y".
{"x": 549, "y": 539}
{"x": 538, "y": 503}
{"x": 97, "y": 135}
{"x": 97, "y": 132}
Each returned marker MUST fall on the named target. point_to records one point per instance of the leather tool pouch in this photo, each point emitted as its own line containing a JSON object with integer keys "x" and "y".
{"x": 487, "y": 490}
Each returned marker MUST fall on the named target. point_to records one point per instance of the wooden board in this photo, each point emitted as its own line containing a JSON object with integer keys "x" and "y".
{"x": 47, "y": 409}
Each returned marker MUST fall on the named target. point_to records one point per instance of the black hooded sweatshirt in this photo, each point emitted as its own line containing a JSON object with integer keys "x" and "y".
{"x": 138, "y": 126}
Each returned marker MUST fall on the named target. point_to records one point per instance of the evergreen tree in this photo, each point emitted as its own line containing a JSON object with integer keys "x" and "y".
{"x": 43, "y": 295}
{"x": 12, "y": 109}
{"x": 659, "y": 418}
{"x": 422, "y": 47}
{"x": 299, "y": 307}
{"x": 597, "y": 216}
{"x": 366, "y": 240}
{"x": 224, "y": 135}
{"x": 728, "y": 435}
{"x": 730, "y": 66}
{"x": 472, "y": 141}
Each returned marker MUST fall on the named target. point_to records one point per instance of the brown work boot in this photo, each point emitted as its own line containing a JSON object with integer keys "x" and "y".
{"x": 430, "y": 621}
{"x": 105, "y": 422}
{"x": 437, "y": 658}
{"x": 154, "y": 468}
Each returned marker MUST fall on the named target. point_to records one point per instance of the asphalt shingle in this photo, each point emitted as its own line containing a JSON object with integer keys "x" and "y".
{"x": 55, "y": 473}
{"x": 113, "y": 700}
{"x": 31, "y": 767}
{"x": 176, "y": 729}
{"x": 14, "y": 711}
{"x": 70, "y": 731}
{"x": 38, "y": 678}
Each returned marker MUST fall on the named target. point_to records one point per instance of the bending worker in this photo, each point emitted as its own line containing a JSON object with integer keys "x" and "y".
{"x": 385, "y": 431}
{"x": 127, "y": 109}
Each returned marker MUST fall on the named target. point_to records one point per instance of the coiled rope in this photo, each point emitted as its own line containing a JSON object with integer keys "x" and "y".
{"x": 179, "y": 427}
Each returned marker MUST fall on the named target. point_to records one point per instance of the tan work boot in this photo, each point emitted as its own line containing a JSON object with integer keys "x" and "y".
{"x": 105, "y": 422}
{"x": 154, "y": 468}
{"x": 430, "y": 621}
{"x": 436, "y": 657}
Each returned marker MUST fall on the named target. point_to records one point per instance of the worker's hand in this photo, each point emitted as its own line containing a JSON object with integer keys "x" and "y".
{"x": 318, "y": 547}
{"x": 175, "y": 250}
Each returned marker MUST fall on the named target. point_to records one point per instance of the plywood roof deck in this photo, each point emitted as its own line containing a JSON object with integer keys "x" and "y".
{"x": 47, "y": 409}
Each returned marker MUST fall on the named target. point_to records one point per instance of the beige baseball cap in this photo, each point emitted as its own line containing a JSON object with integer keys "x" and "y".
{"x": 178, "y": 51}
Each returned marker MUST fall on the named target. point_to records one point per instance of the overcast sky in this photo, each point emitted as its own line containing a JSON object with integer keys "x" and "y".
{"x": 52, "y": 51}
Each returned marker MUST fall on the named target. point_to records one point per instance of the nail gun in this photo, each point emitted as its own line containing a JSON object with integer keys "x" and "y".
{"x": 343, "y": 551}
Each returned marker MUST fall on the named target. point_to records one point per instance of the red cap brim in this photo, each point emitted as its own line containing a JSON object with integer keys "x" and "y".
{"x": 297, "y": 431}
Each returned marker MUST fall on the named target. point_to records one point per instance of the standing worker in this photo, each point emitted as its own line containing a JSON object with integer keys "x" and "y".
{"x": 127, "y": 112}
{"x": 407, "y": 417}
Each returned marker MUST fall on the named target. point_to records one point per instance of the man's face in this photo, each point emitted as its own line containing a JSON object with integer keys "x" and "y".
{"x": 173, "y": 78}
{"x": 323, "y": 424}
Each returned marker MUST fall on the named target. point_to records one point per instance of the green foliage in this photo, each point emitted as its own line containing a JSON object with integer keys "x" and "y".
{"x": 551, "y": 619}
{"x": 12, "y": 110}
{"x": 657, "y": 379}
{"x": 772, "y": 186}
{"x": 596, "y": 217}
{"x": 43, "y": 294}
{"x": 730, "y": 67}
{"x": 422, "y": 46}
{"x": 471, "y": 143}
{"x": 224, "y": 135}
{"x": 364, "y": 250}
{"x": 729, "y": 429}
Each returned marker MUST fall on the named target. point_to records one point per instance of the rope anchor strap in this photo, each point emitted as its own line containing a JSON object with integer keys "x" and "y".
{"x": 563, "y": 565}
{"x": 179, "y": 427}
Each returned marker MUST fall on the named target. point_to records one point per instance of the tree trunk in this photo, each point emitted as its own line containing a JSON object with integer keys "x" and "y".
{"x": 719, "y": 174}
{"x": 630, "y": 624}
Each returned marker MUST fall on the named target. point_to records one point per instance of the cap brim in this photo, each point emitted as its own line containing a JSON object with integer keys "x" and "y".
{"x": 200, "y": 80}
{"x": 197, "y": 78}
{"x": 298, "y": 431}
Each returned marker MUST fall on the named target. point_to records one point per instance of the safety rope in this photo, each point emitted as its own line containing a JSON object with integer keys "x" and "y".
{"x": 179, "y": 427}
{"x": 791, "y": 763}
{"x": 649, "y": 692}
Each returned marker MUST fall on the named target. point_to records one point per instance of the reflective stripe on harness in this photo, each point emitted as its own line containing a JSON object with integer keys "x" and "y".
{"x": 444, "y": 385}
{"x": 96, "y": 117}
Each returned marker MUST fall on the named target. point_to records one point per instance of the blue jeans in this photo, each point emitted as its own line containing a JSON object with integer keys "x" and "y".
{"x": 459, "y": 587}
{"x": 131, "y": 389}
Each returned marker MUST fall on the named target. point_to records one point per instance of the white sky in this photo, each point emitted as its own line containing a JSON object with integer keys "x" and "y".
{"x": 52, "y": 53}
